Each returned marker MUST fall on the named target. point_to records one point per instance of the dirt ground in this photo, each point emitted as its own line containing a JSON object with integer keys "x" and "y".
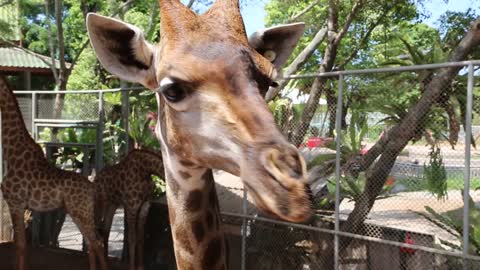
{"x": 52, "y": 259}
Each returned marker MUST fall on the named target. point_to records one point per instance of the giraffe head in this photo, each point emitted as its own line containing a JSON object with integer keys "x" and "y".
{"x": 210, "y": 80}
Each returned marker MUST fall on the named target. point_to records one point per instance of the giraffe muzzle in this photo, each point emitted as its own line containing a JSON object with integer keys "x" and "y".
{"x": 277, "y": 180}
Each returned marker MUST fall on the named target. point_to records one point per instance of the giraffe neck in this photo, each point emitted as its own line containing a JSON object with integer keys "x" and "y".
{"x": 151, "y": 162}
{"x": 194, "y": 212}
{"x": 15, "y": 137}
{"x": 199, "y": 241}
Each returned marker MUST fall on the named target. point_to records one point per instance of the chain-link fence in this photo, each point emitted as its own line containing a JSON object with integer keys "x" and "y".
{"x": 392, "y": 163}
{"x": 393, "y": 167}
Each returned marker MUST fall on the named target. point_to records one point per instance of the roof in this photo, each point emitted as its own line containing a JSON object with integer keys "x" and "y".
{"x": 19, "y": 58}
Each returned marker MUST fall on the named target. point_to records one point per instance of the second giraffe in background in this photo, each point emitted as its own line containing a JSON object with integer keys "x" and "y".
{"x": 128, "y": 184}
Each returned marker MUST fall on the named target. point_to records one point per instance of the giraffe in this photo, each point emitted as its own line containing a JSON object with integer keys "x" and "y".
{"x": 31, "y": 182}
{"x": 128, "y": 184}
{"x": 209, "y": 80}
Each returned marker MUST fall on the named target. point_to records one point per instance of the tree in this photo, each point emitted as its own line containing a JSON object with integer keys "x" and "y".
{"x": 345, "y": 26}
{"x": 388, "y": 148}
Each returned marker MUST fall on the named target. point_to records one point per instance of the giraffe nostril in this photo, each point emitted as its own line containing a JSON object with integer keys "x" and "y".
{"x": 284, "y": 165}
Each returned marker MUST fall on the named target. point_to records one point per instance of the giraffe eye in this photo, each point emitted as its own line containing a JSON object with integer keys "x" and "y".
{"x": 174, "y": 92}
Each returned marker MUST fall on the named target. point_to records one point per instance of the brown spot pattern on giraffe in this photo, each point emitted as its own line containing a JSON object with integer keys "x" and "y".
{"x": 198, "y": 230}
{"x": 194, "y": 201}
{"x": 187, "y": 163}
{"x": 183, "y": 263}
{"x": 184, "y": 175}
{"x": 181, "y": 235}
{"x": 212, "y": 254}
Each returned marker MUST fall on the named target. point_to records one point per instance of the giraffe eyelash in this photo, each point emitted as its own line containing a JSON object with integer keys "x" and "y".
{"x": 165, "y": 83}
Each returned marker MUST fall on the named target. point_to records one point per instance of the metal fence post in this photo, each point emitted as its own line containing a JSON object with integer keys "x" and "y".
{"x": 244, "y": 229}
{"x": 99, "y": 143}
{"x": 466, "y": 175}
{"x": 2, "y": 218}
{"x": 34, "y": 115}
{"x": 125, "y": 112}
{"x": 338, "y": 141}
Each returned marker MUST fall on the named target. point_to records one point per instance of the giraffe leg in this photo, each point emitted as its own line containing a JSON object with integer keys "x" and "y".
{"x": 142, "y": 219}
{"x": 132, "y": 231}
{"x": 94, "y": 242}
{"x": 107, "y": 220}
{"x": 19, "y": 237}
{"x": 82, "y": 211}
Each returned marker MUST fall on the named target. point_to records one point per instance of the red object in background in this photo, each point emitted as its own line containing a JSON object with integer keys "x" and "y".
{"x": 314, "y": 142}
{"x": 390, "y": 181}
{"x": 408, "y": 240}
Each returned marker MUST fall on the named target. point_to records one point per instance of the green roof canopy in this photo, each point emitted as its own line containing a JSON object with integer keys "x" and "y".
{"x": 20, "y": 59}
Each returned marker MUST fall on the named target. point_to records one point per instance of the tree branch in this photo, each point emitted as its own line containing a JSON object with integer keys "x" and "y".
{"x": 355, "y": 8}
{"x": 295, "y": 17}
{"x": 50, "y": 41}
{"x": 151, "y": 21}
{"x": 299, "y": 61}
{"x": 61, "y": 44}
{"x": 87, "y": 41}
{"x": 359, "y": 46}
{"x": 190, "y": 4}
{"x": 318, "y": 84}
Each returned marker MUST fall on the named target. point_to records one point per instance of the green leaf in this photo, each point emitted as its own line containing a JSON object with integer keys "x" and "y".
{"x": 320, "y": 159}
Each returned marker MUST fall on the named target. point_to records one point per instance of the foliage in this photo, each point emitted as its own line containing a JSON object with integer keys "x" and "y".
{"x": 435, "y": 174}
{"x": 141, "y": 132}
{"x": 352, "y": 188}
{"x": 413, "y": 184}
{"x": 352, "y": 142}
{"x": 160, "y": 186}
{"x": 351, "y": 182}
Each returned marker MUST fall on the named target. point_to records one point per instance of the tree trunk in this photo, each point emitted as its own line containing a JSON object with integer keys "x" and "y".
{"x": 332, "y": 110}
{"x": 334, "y": 39}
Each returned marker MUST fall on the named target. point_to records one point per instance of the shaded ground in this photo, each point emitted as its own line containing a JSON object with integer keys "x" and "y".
{"x": 51, "y": 259}
{"x": 402, "y": 212}
{"x": 71, "y": 238}
{"x": 229, "y": 191}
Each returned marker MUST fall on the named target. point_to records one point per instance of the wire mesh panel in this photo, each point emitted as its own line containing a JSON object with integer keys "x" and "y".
{"x": 274, "y": 246}
{"x": 418, "y": 173}
{"x": 401, "y": 138}
{"x": 68, "y": 106}
{"x": 6, "y": 231}
{"x": 25, "y": 104}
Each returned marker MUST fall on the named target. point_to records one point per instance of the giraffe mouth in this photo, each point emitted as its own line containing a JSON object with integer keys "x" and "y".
{"x": 276, "y": 180}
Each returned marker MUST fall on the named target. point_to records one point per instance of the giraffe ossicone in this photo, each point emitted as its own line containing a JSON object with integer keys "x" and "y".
{"x": 212, "y": 115}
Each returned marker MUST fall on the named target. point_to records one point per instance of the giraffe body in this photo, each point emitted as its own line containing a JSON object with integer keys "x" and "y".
{"x": 31, "y": 182}
{"x": 128, "y": 184}
{"x": 209, "y": 78}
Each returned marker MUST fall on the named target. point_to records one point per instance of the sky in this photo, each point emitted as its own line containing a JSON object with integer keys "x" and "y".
{"x": 254, "y": 12}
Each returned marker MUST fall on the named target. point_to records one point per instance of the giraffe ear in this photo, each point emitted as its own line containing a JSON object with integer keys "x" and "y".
{"x": 277, "y": 43}
{"x": 122, "y": 49}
